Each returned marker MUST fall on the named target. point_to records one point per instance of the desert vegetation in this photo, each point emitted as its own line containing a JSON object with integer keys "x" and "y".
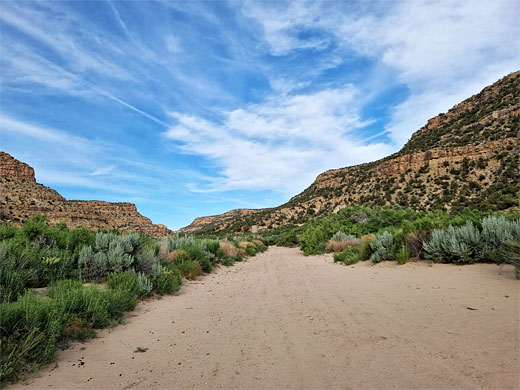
{"x": 60, "y": 284}
{"x": 396, "y": 233}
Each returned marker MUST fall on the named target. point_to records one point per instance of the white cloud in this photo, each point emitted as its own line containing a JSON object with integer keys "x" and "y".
{"x": 281, "y": 144}
{"x": 24, "y": 66}
{"x": 45, "y": 134}
{"x": 61, "y": 158}
{"x": 283, "y": 23}
{"x": 284, "y": 85}
{"x": 66, "y": 36}
{"x": 103, "y": 171}
{"x": 444, "y": 51}
{"x": 173, "y": 44}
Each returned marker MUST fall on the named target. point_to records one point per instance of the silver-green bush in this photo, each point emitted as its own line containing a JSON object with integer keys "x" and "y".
{"x": 112, "y": 253}
{"x": 145, "y": 284}
{"x": 382, "y": 246}
{"x": 340, "y": 236}
{"x": 178, "y": 241}
{"x": 118, "y": 259}
{"x": 454, "y": 244}
{"x": 497, "y": 236}
{"x": 467, "y": 244}
{"x": 157, "y": 270}
{"x": 145, "y": 260}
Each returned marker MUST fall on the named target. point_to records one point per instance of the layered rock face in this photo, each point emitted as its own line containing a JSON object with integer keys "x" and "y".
{"x": 467, "y": 157}
{"x": 215, "y": 222}
{"x": 21, "y": 197}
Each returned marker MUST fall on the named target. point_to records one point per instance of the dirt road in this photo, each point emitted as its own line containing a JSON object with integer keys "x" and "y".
{"x": 282, "y": 320}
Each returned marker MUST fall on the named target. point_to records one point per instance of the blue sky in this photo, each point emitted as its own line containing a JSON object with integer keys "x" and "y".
{"x": 191, "y": 108}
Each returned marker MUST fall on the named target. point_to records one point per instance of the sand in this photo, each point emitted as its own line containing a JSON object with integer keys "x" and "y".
{"x": 282, "y": 320}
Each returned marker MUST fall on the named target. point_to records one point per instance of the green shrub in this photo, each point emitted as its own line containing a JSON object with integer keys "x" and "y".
{"x": 8, "y": 231}
{"x": 382, "y": 246}
{"x": 403, "y": 254}
{"x": 513, "y": 250}
{"x": 198, "y": 253}
{"x": 34, "y": 227}
{"x": 78, "y": 329}
{"x": 145, "y": 285}
{"x": 250, "y": 251}
{"x": 497, "y": 234}
{"x": 136, "y": 284}
{"x": 11, "y": 285}
{"x": 314, "y": 239}
{"x": 283, "y": 236}
{"x": 46, "y": 318}
{"x": 125, "y": 281}
{"x": 118, "y": 302}
{"x": 466, "y": 244}
{"x": 212, "y": 246}
{"x": 23, "y": 334}
{"x": 348, "y": 256}
{"x": 364, "y": 248}
{"x": 206, "y": 265}
{"x": 168, "y": 282}
{"x": 194, "y": 251}
{"x": 189, "y": 269}
{"x": 340, "y": 236}
{"x": 70, "y": 298}
{"x": 112, "y": 253}
{"x": 260, "y": 246}
{"x": 145, "y": 260}
{"x": 228, "y": 261}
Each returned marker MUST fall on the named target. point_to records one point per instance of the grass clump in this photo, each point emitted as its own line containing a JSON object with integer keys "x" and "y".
{"x": 348, "y": 256}
{"x": 403, "y": 254}
{"x": 168, "y": 281}
{"x": 189, "y": 269}
{"x": 34, "y": 326}
{"x": 134, "y": 283}
{"x": 228, "y": 248}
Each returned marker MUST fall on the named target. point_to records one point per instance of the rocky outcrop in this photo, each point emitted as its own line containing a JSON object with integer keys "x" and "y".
{"x": 21, "y": 197}
{"x": 14, "y": 170}
{"x": 467, "y": 157}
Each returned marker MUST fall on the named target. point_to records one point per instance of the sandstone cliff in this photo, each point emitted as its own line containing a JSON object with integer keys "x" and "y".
{"x": 21, "y": 197}
{"x": 467, "y": 157}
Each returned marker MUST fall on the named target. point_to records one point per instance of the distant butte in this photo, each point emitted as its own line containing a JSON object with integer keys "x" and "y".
{"x": 22, "y": 197}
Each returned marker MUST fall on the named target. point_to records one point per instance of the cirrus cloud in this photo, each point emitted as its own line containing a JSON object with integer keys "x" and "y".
{"x": 281, "y": 144}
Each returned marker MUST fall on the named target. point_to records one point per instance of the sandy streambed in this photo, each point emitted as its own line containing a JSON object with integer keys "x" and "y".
{"x": 282, "y": 320}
